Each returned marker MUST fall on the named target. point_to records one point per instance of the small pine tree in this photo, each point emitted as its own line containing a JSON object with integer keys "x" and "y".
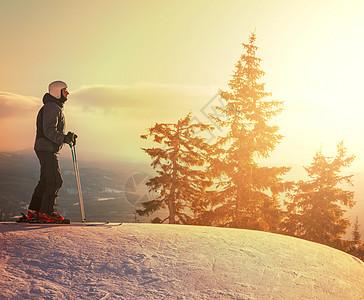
{"x": 315, "y": 211}
{"x": 357, "y": 246}
{"x": 356, "y": 233}
{"x": 181, "y": 181}
{"x": 247, "y": 192}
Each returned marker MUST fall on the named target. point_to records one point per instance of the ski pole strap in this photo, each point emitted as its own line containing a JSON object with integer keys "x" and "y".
{"x": 73, "y": 152}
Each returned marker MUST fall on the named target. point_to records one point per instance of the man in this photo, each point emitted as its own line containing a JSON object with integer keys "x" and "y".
{"x": 49, "y": 140}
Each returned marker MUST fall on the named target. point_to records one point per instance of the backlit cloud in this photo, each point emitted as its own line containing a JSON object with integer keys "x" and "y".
{"x": 144, "y": 100}
{"x": 15, "y": 105}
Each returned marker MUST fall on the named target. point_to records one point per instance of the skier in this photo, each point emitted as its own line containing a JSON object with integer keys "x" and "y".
{"x": 49, "y": 140}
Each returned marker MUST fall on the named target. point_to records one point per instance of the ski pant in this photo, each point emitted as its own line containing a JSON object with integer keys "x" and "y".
{"x": 46, "y": 192}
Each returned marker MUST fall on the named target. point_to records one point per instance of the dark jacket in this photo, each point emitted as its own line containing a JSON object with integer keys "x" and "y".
{"x": 50, "y": 125}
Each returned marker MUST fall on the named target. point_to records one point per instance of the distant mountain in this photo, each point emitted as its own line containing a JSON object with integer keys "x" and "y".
{"x": 111, "y": 191}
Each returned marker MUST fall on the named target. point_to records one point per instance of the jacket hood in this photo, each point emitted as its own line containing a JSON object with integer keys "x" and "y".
{"x": 49, "y": 98}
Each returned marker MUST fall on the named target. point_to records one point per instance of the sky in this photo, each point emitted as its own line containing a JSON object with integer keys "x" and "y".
{"x": 131, "y": 64}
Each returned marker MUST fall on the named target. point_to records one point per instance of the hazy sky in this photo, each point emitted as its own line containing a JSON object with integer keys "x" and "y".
{"x": 130, "y": 64}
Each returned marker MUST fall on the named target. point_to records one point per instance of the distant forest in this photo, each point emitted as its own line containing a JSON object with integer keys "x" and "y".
{"x": 222, "y": 184}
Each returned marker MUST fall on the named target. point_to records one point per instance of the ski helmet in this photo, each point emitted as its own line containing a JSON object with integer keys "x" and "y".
{"x": 55, "y": 88}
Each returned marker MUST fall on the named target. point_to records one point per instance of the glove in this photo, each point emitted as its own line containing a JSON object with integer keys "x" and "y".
{"x": 70, "y": 138}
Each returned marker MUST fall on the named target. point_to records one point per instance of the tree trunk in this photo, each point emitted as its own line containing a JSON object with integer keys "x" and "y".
{"x": 171, "y": 198}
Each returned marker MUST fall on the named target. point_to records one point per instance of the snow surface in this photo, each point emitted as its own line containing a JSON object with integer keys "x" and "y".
{"x": 153, "y": 261}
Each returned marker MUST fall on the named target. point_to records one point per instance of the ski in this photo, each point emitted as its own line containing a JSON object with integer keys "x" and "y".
{"x": 24, "y": 220}
{"x": 106, "y": 224}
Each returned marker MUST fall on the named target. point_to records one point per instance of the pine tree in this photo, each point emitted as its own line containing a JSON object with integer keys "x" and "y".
{"x": 315, "y": 212}
{"x": 247, "y": 196}
{"x": 357, "y": 246}
{"x": 356, "y": 233}
{"x": 181, "y": 181}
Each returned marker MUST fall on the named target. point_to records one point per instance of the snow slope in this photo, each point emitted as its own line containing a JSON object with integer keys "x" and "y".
{"x": 153, "y": 261}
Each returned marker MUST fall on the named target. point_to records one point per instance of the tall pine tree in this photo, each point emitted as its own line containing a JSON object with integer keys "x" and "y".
{"x": 180, "y": 183}
{"x": 247, "y": 196}
{"x": 316, "y": 211}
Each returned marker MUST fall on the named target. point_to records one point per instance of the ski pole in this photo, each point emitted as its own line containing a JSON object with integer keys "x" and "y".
{"x": 78, "y": 182}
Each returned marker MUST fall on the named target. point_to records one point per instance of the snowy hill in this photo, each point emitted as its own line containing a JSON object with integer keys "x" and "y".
{"x": 153, "y": 261}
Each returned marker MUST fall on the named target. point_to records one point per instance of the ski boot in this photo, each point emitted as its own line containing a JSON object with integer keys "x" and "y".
{"x": 31, "y": 217}
{"x": 52, "y": 218}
